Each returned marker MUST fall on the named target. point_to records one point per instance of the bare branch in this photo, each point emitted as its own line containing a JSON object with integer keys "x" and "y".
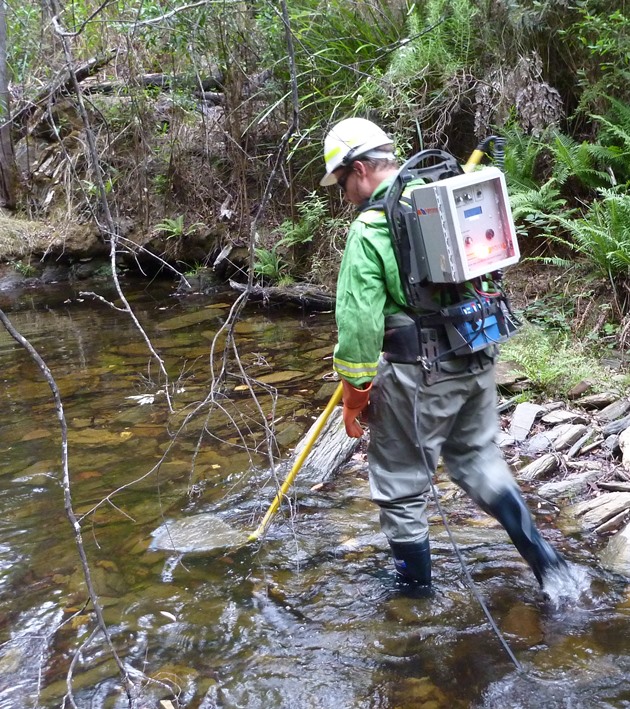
{"x": 109, "y": 228}
{"x": 73, "y": 663}
{"x": 96, "y": 12}
{"x": 284, "y": 142}
{"x": 183, "y": 8}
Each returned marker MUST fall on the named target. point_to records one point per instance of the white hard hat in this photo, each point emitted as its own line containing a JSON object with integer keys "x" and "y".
{"x": 349, "y": 140}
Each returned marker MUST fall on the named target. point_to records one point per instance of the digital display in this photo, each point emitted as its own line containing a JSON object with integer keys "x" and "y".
{"x": 474, "y": 212}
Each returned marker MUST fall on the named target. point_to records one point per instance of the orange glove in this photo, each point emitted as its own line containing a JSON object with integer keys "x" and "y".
{"x": 354, "y": 401}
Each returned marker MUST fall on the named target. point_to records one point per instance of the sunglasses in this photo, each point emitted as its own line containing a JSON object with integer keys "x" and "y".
{"x": 341, "y": 181}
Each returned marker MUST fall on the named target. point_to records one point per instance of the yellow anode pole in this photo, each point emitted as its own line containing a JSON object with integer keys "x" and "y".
{"x": 284, "y": 488}
{"x": 475, "y": 158}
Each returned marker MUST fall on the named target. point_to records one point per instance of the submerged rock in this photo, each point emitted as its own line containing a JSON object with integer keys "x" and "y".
{"x": 196, "y": 534}
{"x": 569, "y": 486}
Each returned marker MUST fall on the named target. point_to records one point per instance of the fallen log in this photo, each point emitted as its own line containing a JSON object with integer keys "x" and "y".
{"x": 158, "y": 81}
{"x": 208, "y": 89}
{"x": 302, "y": 295}
{"x": 332, "y": 449}
{"x": 64, "y": 85}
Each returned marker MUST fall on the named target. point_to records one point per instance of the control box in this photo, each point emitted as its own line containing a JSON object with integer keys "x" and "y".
{"x": 461, "y": 227}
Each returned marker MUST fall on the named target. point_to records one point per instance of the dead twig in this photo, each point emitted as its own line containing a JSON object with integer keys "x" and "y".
{"x": 109, "y": 227}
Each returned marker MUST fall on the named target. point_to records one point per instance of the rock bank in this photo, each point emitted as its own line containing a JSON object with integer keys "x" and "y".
{"x": 573, "y": 455}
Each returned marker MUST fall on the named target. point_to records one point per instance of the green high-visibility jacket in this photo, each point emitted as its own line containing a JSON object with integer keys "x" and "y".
{"x": 368, "y": 290}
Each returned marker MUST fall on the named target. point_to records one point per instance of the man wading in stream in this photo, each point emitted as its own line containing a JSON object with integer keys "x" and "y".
{"x": 377, "y": 356}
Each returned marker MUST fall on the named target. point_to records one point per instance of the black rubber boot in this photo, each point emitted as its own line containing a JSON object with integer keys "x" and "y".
{"x": 511, "y": 512}
{"x": 413, "y": 563}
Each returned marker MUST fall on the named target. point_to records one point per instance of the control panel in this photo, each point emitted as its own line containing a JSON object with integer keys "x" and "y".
{"x": 462, "y": 226}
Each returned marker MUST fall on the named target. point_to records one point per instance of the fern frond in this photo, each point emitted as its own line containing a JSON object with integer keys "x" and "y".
{"x": 544, "y": 200}
{"x": 521, "y": 155}
{"x": 603, "y": 233}
{"x": 573, "y": 159}
{"x": 619, "y": 112}
{"x": 555, "y": 261}
{"x": 613, "y": 147}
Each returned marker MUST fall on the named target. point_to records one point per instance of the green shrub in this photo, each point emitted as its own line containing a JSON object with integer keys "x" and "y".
{"x": 269, "y": 264}
{"x": 313, "y": 213}
{"x": 573, "y": 160}
{"x": 535, "y": 210}
{"x": 612, "y": 150}
{"x": 552, "y": 362}
{"x": 603, "y": 31}
{"x": 174, "y": 228}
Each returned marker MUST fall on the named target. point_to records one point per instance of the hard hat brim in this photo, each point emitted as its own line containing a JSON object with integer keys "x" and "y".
{"x": 329, "y": 179}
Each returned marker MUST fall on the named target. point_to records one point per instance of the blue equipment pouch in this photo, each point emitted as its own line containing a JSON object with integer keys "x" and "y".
{"x": 472, "y": 325}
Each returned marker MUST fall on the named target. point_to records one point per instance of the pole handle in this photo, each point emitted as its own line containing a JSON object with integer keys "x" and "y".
{"x": 288, "y": 481}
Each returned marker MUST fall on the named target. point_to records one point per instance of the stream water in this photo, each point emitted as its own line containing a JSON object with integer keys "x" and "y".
{"x": 309, "y": 618}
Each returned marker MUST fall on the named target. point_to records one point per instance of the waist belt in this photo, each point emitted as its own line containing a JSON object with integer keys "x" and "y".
{"x": 457, "y": 331}
{"x": 416, "y": 344}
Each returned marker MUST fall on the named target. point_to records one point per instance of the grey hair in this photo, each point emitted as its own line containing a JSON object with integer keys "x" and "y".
{"x": 379, "y": 158}
{"x": 380, "y": 163}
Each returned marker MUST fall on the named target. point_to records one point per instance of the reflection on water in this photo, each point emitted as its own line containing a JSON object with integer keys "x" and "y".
{"x": 310, "y": 617}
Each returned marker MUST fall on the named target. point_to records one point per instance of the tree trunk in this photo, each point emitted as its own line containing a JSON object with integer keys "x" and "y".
{"x": 8, "y": 169}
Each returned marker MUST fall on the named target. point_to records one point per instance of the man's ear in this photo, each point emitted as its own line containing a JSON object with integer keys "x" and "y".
{"x": 360, "y": 168}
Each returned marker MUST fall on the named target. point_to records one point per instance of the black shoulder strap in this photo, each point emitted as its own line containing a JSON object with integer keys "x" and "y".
{"x": 378, "y": 204}
{"x": 429, "y": 166}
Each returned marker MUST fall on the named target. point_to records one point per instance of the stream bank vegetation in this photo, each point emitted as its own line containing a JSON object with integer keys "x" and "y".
{"x": 172, "y": 139}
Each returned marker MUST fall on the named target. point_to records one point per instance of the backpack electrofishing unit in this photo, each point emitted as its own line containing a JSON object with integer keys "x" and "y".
{"x": 452, "y": 236}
